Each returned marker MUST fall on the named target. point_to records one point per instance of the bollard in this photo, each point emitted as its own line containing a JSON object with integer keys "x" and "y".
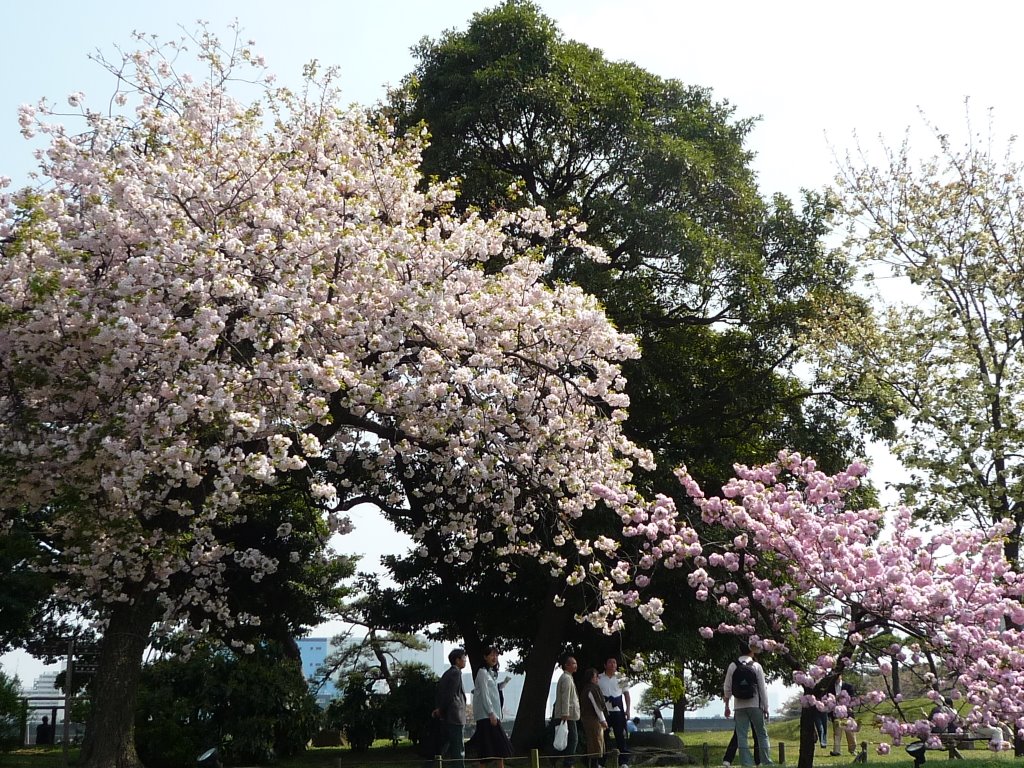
{"x": 440, "y": 761}
{"x": 782, "y": 753}
{"x": 706, "y": 756}
{"x": 534, "y": 758}
{"x": 614, "y": 761}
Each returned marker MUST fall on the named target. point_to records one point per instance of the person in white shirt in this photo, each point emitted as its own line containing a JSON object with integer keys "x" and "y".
{"x": 616, "y": 698}
{"x": 567, "y": 709}
{"x": 751, "y": 712}
{"x": 490, "y": 738}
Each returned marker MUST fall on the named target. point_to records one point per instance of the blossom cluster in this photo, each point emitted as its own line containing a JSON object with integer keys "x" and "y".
{"x": 208, "y": 297}
{"x": 797, "y": 557}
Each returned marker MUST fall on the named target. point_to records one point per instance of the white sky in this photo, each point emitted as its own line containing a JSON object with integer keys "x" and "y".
{"x": 815, "y": 72}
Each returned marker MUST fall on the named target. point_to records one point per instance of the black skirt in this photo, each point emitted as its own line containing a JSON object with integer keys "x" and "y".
{"x": 490, "y": 741}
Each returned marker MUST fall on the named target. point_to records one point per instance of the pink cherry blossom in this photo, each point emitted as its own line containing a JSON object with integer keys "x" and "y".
{"x": 949, "y": 591}
{"x": 209, "y": 296}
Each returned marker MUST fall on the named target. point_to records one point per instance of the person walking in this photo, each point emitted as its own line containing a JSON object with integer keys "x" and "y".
{"x": 821, "y": 727}
{"x": 844, "y": 695}
{"x": 616, "y": 699}
{"x": 730, "y": 750}
{"x": 593, "y": 718}
{"x": 744, "y": 681}
{"x": 490, "y": 738}
{"x": 450, "y": 708}
{"x": 567, "y": 709}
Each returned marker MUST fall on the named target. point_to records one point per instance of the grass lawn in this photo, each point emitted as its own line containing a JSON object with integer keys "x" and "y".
{"x": 787, "y": 732}
{"x": 37, "y": 757}
{"x": 385, "y": 755}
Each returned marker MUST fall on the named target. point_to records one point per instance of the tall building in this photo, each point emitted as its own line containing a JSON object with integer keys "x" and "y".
{"x": 313, "y": 651}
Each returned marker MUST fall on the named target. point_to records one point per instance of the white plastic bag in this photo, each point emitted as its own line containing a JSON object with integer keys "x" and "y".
{"x": 561, "y": 736}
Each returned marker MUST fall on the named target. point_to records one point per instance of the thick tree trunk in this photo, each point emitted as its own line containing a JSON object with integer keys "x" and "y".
{"x": 808, "y": 737}
{"x": 679, "y": 715}
{"x": 474, "y": 646}
{"x": 110, "y": 736}
{"x": 528, "y": 731}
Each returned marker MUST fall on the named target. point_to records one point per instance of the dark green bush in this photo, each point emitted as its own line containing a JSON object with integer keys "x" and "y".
{"x": 253, "y": 707}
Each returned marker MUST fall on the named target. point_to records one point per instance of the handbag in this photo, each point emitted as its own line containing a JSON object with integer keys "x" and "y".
{"x": 561, "y": 736}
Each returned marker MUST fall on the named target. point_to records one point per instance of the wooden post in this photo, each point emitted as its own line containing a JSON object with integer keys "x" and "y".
{"x": 782, "y": 753}
{"x": 534, "y": 758}
{"x": 706, "y": 756}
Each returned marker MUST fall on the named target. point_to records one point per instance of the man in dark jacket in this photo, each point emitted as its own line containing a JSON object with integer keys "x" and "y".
{"x": 450, "y": 708}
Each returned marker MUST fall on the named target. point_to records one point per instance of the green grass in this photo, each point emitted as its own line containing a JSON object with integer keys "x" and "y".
{"x": 385, "y": 755}
{"x": 788, "y": 732}
{"x": 36, "y": 757}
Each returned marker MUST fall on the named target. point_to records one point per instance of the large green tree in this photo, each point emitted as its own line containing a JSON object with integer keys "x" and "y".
{"x": 717, "y": 283}
{"x": 942, "y": 237}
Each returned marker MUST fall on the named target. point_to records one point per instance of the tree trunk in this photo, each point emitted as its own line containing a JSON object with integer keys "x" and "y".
{"x": 529, "y": 728}
{"x": 474, "y": 645}
{"x": 110, "y": 735}
{"x": 808, "y": 737}
{"x": 896, "y": 689}
{"x": 679, "y": 715}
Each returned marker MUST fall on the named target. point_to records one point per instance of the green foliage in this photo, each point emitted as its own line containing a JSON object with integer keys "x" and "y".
{"x": 668, "y": 688}
{"x": 13, "y": 712}
{"x": 363, "y": 648}
{"x": 719, "y": 284}
{"x": 409, "y": 704}
{"x": 358, "y": 712}
{"x": 23, "y": 589}
{"x": 254, "y": 707}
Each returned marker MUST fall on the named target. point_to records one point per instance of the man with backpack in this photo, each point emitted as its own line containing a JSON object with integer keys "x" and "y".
{"x": 744, "y": 682}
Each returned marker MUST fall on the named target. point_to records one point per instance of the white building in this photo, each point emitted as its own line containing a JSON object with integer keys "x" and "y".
{"x": 44, "y": 700}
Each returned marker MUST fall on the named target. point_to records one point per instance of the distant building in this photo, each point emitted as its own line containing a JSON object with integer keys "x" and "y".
{"x": 44, "y": 700}
{"x": 314, "y": 652}
{"x": 434, "y": 657}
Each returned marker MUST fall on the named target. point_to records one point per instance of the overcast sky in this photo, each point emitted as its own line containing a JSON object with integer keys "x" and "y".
{"x": 815, "y": 73}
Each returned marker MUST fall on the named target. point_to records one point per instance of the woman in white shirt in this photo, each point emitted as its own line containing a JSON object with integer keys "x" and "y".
{"x": 490, "y": 738}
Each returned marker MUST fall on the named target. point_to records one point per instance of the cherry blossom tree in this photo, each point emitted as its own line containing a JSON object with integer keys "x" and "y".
{"x": 797, "y": 561}
{"x": 946, "y": 345}
{"x": 205, "y": 297}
